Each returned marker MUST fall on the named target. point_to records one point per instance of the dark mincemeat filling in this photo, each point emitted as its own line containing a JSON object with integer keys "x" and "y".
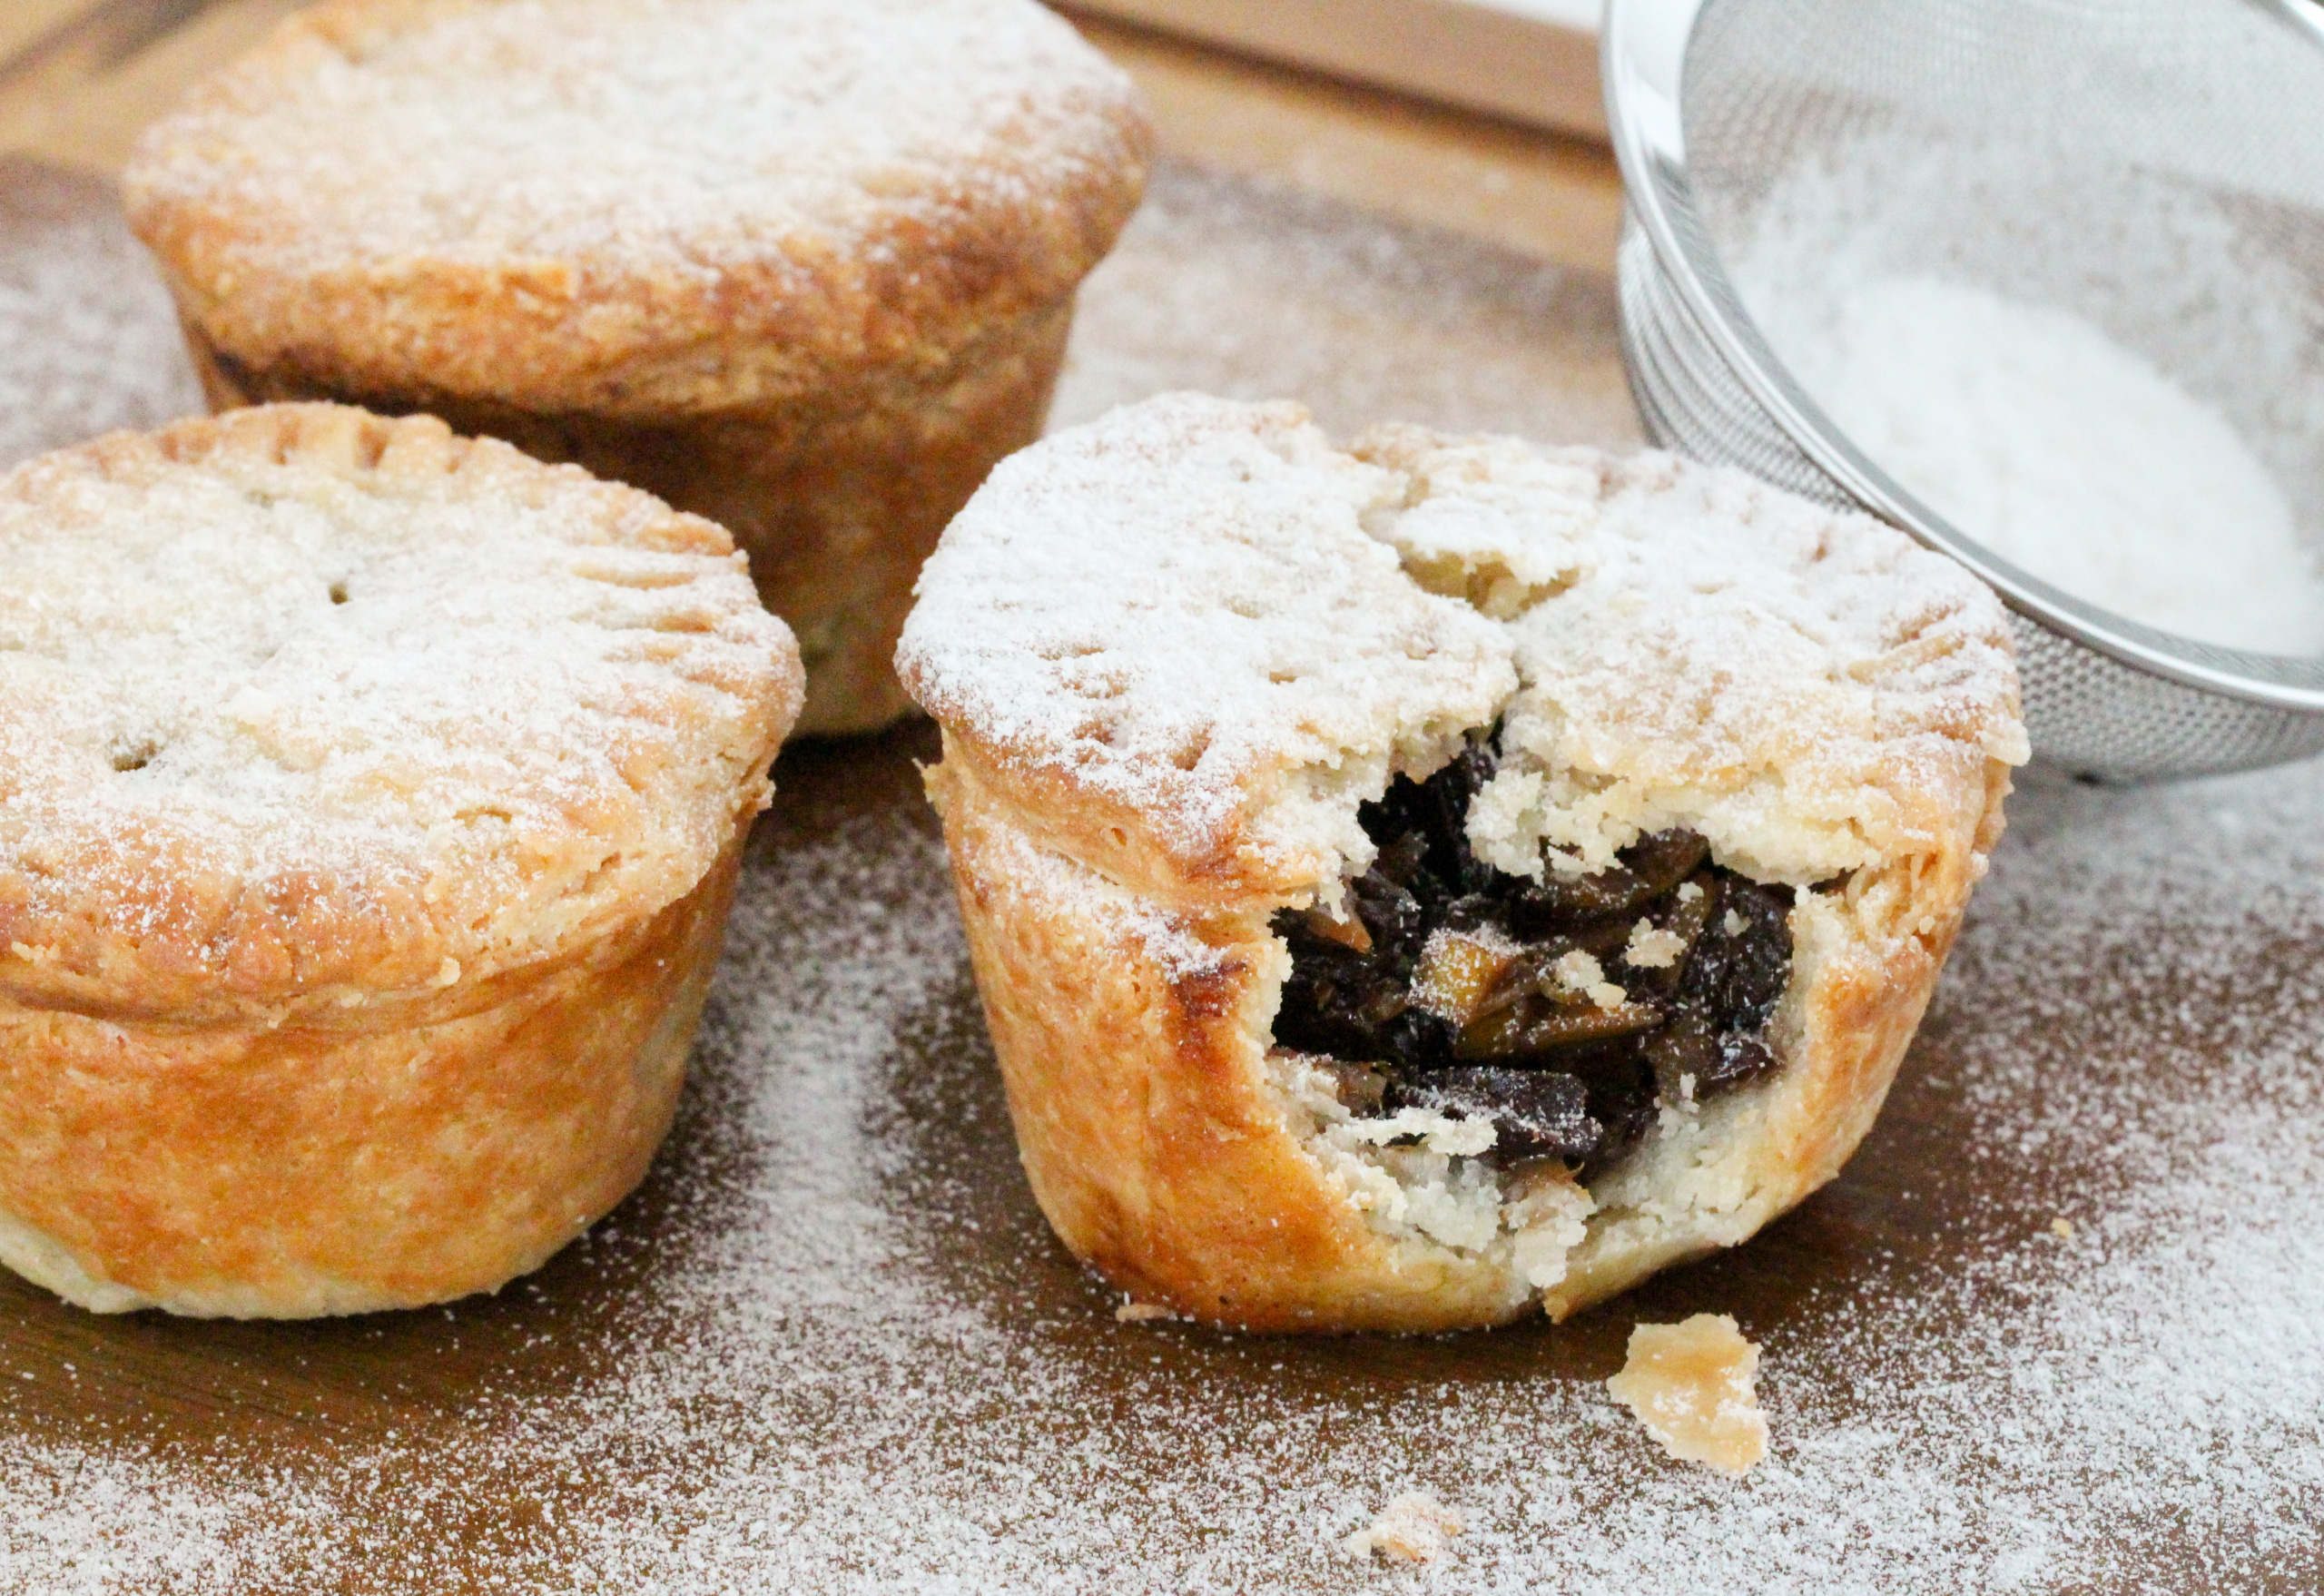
{"x": 1558, "y": 1073}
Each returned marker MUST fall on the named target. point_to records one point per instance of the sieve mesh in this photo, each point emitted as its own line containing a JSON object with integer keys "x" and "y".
{"x": 2155, "y": 166}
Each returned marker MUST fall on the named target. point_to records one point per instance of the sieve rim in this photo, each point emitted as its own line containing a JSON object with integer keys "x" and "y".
{"x": 1643, "y": 56}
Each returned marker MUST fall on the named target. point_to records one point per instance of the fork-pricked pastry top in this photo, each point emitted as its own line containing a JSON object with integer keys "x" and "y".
{"x": 302, "y": 709}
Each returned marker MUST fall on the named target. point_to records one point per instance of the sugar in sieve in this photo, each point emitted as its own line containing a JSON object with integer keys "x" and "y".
{"x": 2156, "y": 166}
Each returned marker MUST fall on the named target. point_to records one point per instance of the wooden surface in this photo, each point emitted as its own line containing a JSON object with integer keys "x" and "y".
{"x": 2055, "y": 1329}
{"x": 1505, "y": 61}
{"x": 1558, "y": 198}
{"x": 85, "y": 75}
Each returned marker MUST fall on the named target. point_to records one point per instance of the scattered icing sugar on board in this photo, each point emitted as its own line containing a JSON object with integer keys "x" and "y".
{"x": 1252, "y": 292}
{"x": 89, "y": 340}
{"x": 831, "y": 1346}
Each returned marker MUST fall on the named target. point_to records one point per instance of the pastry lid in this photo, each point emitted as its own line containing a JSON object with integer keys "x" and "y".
{"x": 629, "y": 207}
{"x": 303, "y": 708}
{"x": 1198, "y": 620}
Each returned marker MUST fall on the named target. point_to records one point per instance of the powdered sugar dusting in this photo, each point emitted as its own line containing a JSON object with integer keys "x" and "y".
{"x": 689, "y": 135}
{"x": 1209, "y": 610}
{"x": 1180, "y": 600}
{"x": 1040, "y": 873}
{"x": 832, "y": 1348}
{"x": 453, "y": 686}
{"x": 1253, "y": 290}
{"x": 79, "y": 1522}
{"x": 2106, "y": 374}
{"x": 1803, "y": 688}
{"x": 2071, "y": 457}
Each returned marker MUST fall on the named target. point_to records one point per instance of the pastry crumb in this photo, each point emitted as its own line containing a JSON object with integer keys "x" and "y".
{"x": 2062, "y": 1228}
{"x": 1414, "y": 1528}
{"x": 1652, "y": 949}
{"x": 1579, "y": 973}
{"x": 1139, "y": 1313}
{"x": 1690, "y": 1385}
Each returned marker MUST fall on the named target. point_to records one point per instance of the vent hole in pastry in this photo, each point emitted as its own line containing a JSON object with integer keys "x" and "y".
{"x": 1569, "y": 1011}
{"x": 1189, "y": 756}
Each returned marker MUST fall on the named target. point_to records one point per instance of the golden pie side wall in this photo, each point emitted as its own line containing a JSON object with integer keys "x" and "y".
{"x": 244, "y": 1170}
{"x": 1151, "y": 1138}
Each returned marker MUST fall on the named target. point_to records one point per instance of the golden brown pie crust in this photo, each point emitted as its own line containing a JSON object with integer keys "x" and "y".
{"x": 367, "y": 979}
{"x": 437, "y": 1148}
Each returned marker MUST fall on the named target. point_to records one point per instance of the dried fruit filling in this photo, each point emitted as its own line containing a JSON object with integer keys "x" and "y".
{"x": 1563, "y": 1010}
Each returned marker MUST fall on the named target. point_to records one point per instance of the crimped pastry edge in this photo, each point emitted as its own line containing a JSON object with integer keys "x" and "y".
{"x": 836, "y": 502}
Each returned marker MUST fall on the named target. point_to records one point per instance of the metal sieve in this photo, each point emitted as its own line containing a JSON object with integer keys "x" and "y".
{"x": 2156, "y": 166}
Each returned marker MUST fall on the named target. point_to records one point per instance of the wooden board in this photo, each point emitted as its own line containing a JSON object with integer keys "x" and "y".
{"x": 1531, "y": 62}
{"x": 2056, "y": 1328}
{"x": 1557, "y": 198}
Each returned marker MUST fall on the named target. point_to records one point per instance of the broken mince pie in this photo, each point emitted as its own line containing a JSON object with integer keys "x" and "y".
{"x": 1411, "y": 884}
